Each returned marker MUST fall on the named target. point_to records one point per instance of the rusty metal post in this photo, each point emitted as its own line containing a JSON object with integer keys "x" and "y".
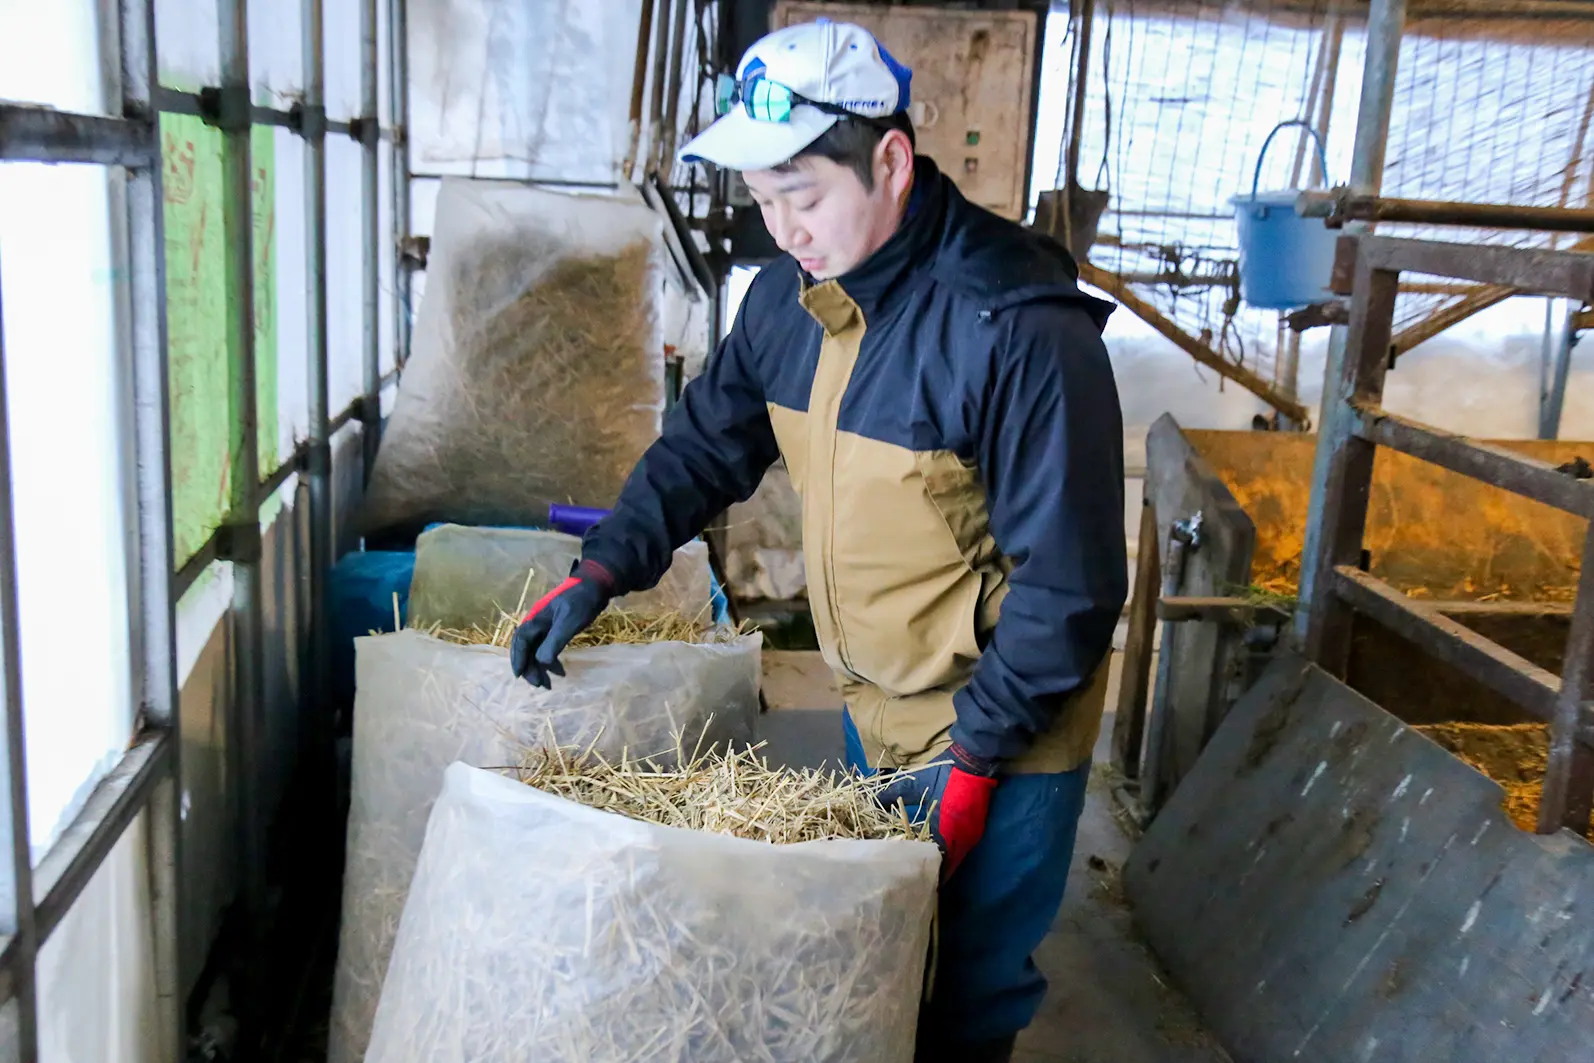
{"x": 1129, "y": 721}
{"x": 1334, "y": 530}
{"x": 1569, "y": 779}
{"x": 1385, "y": 23}
{"x": 1184, "y": 536}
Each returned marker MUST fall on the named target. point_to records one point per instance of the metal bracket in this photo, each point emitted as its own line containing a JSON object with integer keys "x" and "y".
{"x": 316, "y": 459}
{"x": 239, "y": 542}
{"x": 414, "y": 250}
{"x": 365, "y": 131}
{"x": 307, "y": 121}
{"x": 226, "y": 108}
{"x": 1188, "y": 531}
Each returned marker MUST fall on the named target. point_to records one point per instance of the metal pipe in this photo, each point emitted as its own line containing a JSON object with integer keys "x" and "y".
{"x": 661, "y": 48}
{"x": 155, "y": 662}
{"x": 1555, "y": 398}
{"x": 18, "y": 877}
{"x": 1340, "y": 207}
{"x": 1323, "y": 94}
{"x": 672, "y": 103}
{"x": 245, "y": 727}
{"x": 1076, "y": 117}
{"x": 1569, "y": 775}
{"x": 319, "y": 456}
{"x": 43, "y": 134}
{"x": 399, "y": 114}
{"x": 639, "y": 76}
{"x": 1386, "y": 22}
{"x": 371, "y": 414}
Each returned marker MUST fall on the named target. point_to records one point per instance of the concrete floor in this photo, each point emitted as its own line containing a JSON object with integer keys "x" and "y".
{"x": 1109, "y": 1000}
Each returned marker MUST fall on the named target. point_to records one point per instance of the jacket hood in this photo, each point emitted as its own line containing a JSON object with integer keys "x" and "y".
{"x": 997, "y": 262}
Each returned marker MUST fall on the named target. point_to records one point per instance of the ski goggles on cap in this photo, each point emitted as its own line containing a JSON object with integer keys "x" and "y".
{"x": 764, "y": 100}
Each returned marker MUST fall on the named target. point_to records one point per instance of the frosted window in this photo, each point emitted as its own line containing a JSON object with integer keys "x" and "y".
{"x": 68, "y": 407}
{"x": 49, "y": 54}
{"x": 292, "y": 298}
{"x": 188, "y": 43}
{"x": 276, "y": 52}
{"x": 345, "y": 268}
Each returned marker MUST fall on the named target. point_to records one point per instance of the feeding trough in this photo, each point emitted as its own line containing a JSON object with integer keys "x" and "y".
{"x": 1285, "y": 259}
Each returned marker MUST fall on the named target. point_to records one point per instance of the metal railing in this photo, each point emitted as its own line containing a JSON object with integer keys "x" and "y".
{"x": 1355, "y": 425}
{"x": 148, "y": 774}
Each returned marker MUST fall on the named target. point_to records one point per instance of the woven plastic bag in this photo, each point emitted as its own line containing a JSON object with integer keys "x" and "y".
{"x": 539, "y": 929}
{"x": 537, "y": 372}
{"x": 465, "y": 576}
{"x": 422, "y": 703}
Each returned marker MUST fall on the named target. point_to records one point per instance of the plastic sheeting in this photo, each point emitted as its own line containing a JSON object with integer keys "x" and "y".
{"x": 423, "y": 704}
{"x": 539, "y": 929}
{"x": 764, "y": 542}
{"x": 470, "y": 576}
{"x": 537, "y": 373}
{"x": 543, "y": 89}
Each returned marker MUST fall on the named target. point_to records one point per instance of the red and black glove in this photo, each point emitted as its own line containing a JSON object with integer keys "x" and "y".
{"x": 559, "y": 616}
{"x": 965, "y": 802}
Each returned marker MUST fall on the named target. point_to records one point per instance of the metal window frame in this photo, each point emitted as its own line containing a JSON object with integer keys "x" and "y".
{"x": 1368, "y": 269}
{"x": 147, "y": 778}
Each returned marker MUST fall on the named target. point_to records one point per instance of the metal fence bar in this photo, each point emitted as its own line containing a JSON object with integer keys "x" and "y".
{"x": 1503, "y": 468}
{"x": 1386, "y": 24}
{"x": 1532, "y": 687}
{"x": 43, "y": 134}
{"x": 371, "y": 412}
{"x": 1566, "y": 273}
{"x": 399, "y": 115}
{"x": 17, "y": 877}
{"x": 155, "y": 601}
{"x": 317, "y": 732}
{"x": 246, "y": 709}
{"x": 1569, "y": 777}
{"x": 1335, "y": 530}
{"x": 75, "y": 857}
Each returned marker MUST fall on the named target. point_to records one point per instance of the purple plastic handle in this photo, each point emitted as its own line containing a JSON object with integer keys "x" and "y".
{"x": 574, "y": 520}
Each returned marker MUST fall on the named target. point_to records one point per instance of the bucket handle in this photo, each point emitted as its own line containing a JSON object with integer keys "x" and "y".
{"x": 1322, "y": 156}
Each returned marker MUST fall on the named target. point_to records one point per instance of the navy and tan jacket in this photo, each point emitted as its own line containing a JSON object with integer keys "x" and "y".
{"x": 949, "y": 418}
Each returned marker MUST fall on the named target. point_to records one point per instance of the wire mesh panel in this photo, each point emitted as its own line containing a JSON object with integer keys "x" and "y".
{"x": 1181, "y": 99}
{"x": 1490, "y": 110}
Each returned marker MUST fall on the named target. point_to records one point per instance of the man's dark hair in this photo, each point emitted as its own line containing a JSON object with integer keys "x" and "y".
{"x": 851, "y": 143}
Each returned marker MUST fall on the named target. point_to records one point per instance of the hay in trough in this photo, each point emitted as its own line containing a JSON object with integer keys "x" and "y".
{"x": 732, "y": 792}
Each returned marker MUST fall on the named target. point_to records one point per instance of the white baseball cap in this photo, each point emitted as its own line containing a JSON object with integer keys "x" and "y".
{"x": 799, "y": 81}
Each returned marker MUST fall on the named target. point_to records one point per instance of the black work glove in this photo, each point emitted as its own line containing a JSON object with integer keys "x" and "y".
{"x": 559, "y": 616}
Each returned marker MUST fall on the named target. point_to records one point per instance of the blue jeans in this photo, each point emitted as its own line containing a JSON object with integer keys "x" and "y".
{"x": 1001, "y": 902}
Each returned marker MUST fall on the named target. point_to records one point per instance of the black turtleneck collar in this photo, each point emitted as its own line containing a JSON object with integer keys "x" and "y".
{"x": 877, "y": 281}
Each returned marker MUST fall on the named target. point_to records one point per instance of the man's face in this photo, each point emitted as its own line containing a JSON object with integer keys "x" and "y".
{"x": 819, "y": 212}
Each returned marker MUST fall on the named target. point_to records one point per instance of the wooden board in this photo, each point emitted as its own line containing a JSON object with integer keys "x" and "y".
{"x": 972, "y": 74}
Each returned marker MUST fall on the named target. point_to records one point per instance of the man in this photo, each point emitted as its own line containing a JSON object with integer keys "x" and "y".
{"x": 939, "y": 390}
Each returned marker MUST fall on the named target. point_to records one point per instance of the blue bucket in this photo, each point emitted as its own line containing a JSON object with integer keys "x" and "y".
{"x": 1285, "y": 259}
